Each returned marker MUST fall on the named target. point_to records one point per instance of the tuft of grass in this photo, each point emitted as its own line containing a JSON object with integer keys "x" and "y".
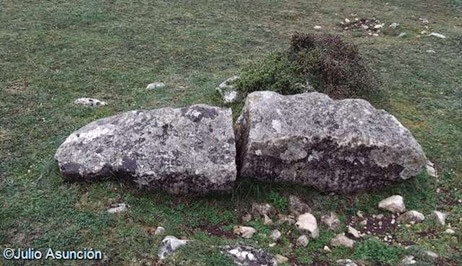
{"x": 378, "y": 252}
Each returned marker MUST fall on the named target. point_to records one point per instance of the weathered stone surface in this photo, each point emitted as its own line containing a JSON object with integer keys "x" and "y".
{"x": 182, "y": 150}
{"x": 297, "y": 206}
{"x": 342, "y": 146}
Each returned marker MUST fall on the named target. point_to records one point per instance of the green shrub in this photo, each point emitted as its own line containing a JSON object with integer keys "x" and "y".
{"x": 324, "y": 63}
{"x": 376, "y": 251}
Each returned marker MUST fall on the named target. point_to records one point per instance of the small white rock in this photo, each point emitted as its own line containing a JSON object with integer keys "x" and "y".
{"x": 275, "y": 235}
{"x": 155, "y": 85}
{"x": 438, "y": 35}
{"x": 431, "y": 171}
{"x": 120, "y": 207}
{"x": 281, "y": 259}
{"x": 440, "y": 217}
{"x": 347, "y": 20}
{"x": 431, "y": 254}
{"x": 346, "y": 262}
{"x": 402, "y": 34}
{"x": 327, "y": 249}
{"x": 450, "y": 231}
{"x": 393, "y": 204}
{"x": 159, "y": 230}
{"x": 228, "y": 91}
{"x": 408, "y": 260}
{"x": 394, "y": 25}
{"x": 302, "y": 240}
{"x": 411, "y": 217}
{"x": 341, "y": 240}
{"x": 244, "y": 231}
{"x": 89, "y": 102}
{"x": 267, "y": 220}
{"x": 307, "y": 223}
{"x": 352, "y": 231}
{"x": 169, "y": 245}
{"x": 317, "y": 27}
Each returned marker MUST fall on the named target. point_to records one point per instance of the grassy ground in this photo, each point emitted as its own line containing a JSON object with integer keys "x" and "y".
{"x": 52, "y": 52}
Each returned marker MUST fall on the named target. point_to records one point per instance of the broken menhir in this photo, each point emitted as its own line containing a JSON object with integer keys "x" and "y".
{"x": 341, "y": 146}
{"x": 187, "y": 150}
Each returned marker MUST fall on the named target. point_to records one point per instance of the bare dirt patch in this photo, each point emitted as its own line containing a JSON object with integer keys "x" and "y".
{"x": 17, "y": 86}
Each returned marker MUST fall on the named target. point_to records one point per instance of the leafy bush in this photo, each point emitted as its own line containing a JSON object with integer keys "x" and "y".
{"x": 324, "y": 63}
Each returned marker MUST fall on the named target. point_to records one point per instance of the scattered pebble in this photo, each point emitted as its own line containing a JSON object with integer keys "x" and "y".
{"x": 394, "y": 204}
{"x": 244, "y": 231}
{"x": 352, "y": 231}
{"x": 302, "y": 240}
{"x": 155, "y": 85}
{"x": 431, "y": 254}
{"x": 402, "y": 34}
{"x": 424, "y": 20}
{"x": 159, "y": 230}
{"x": 432, "y": 171}
{"x": 317, "y": 27}
{"x": 307, "y": 223}
{"x": 266, "y": 220}
{"x": 411, "y": 217}
{"x": 281, "y": 259}
{"x": 120, "y": 207}
{"x": 327, "y": 249}
{"x": 169, "y": 245}
{"x": 246, "y": 218}
{"x": 346, "y": 262}
{"x": 89, "y": 102}
{"x": 342, "y": 240}
{"x": 440, "y": 217}
{"x": 331, "y": 220}
{"x": 450, "y": 231}
{"x": 438, "y": 35}
{"x": 394, "y": 25}
{"x": 275, "y": 235}
{"x": 408, "y": 260}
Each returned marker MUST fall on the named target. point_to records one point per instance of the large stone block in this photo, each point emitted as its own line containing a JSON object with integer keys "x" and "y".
{"x": 342, "y": 146}
{"x": 183, "y": 150}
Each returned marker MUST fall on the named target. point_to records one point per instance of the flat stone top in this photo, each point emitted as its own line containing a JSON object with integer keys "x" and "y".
{"x": 314, "y": 114}
{"x": 153, "y": 144}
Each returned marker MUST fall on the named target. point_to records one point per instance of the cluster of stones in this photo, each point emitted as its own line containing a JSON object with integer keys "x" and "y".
{"x": 334, "y": 146}
{"x": 305, "y": 223}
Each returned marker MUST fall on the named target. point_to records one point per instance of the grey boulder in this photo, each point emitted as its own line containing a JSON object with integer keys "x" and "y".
{"x": 332, "y": 145}
{"x": 183, "y": 150}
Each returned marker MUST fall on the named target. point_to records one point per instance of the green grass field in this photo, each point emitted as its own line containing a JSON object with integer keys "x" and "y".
{"x": 52, "y": 52}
